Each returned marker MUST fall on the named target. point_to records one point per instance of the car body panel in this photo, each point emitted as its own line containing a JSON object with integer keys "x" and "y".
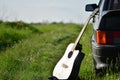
{"x": 107, "y": 19}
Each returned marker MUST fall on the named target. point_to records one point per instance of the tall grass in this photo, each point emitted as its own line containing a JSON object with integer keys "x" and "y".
{"x": 34, "y": 57}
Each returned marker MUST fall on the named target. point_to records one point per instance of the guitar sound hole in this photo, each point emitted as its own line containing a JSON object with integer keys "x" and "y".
{"x": 70, "y": 54}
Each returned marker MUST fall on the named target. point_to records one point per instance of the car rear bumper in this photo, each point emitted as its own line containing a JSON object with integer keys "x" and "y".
{"x": 105, "y": 55}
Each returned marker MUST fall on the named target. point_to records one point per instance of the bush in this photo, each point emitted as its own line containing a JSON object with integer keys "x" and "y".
{"x": 7, "y": 39}
{"x": 12, "y": 32}
{"x": 1, "y": 21}
{"x": 18, "y": 24}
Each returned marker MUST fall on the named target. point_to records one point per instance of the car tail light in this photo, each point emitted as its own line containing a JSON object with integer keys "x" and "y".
{"x": 107, "y": 37}
{"x": 101, "y": 37}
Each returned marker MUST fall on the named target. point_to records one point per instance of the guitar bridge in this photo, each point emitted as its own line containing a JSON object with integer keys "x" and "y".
{"x": 64, "y": 65}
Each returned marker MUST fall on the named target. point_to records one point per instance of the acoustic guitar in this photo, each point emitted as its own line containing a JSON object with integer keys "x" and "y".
{"x": 68, "y": 66}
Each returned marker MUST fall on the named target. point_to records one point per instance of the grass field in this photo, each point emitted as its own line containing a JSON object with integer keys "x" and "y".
{"x": 39, "y": 47}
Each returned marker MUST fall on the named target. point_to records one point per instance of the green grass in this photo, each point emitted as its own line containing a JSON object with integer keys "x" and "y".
{"x": 13, "y": 32}
{"x": 34, "y": 57}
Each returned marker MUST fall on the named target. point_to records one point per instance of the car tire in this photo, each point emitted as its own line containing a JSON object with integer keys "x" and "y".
{"x": 99, "y": 72}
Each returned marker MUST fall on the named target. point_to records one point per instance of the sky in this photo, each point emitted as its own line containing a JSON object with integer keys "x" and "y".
{"x": 45, "y": 10}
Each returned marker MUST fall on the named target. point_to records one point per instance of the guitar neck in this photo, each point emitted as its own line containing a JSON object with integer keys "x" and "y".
{"x": 79, "y": 36}
{"x": 83, "y": 29}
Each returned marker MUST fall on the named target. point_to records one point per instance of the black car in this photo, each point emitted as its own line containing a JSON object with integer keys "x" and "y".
{"x": 105, "y": 41}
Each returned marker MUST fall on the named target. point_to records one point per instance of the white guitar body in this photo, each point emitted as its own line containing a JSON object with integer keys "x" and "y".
{"x": 64, "y": 67}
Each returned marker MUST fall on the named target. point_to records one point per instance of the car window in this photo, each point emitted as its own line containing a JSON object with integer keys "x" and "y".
{"x": 115, "y": 4}
{"x": 107, "y": 5}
